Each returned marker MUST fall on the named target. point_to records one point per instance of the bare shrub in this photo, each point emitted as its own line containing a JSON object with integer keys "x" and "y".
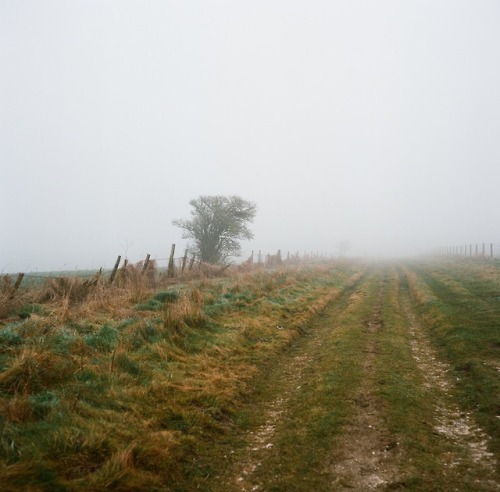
{"x": 6, "y": 306}
{"x": 71, "y": 288}
{"x": 137, "y": 280}
{"x": 7, "y": 286}
{"x": 211, "y": 271}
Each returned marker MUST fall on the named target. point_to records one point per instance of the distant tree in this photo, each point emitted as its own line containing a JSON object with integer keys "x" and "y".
{"x": 216, "y": 226}
{"x": 344, "y": 247}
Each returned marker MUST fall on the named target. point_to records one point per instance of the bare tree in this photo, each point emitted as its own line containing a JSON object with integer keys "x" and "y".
{"x": 216, "y": 226}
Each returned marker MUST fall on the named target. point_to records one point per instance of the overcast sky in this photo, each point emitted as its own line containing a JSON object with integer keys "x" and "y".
{"x": 376, "y": 122}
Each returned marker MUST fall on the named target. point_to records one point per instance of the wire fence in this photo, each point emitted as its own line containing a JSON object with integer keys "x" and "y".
{"x": 472, "y": 250}
{"x": 175, "y": 266}
{"x": 153, "y": 269}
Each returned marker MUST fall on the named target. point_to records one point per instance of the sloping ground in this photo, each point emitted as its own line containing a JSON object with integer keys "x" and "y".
{"x": 329, "y": 379}
{"x": 363, "y": 402}
{"x": 127, "y": 389}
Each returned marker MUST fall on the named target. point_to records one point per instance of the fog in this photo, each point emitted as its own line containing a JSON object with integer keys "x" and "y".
{"x": 376, "y": 123}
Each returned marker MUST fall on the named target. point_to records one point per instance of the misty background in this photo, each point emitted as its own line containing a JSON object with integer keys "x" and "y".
{"x": 376, "y": 123}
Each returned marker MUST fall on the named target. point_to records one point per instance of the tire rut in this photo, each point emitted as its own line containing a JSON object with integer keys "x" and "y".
{"x": 365, "y": 455}
{"x": 290, "y": 376}
{"x": 370, "y": 455}
{"x": 469, "y": 441}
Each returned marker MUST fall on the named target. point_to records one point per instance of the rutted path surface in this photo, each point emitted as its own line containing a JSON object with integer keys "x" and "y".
{"x": 261, "y": 442}
{"x": 331, "y": 377}
{"x": 370, "y": 455}
{"x": 291, "y": 378}
{"x": 469, "y": 443}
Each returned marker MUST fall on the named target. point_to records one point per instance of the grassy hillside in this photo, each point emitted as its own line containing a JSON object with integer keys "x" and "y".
{"x": 321, "y": 377}
{"x": 123, "y": 388}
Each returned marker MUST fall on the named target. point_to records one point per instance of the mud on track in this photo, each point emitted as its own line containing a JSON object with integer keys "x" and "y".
{"x": 321, "y": 420}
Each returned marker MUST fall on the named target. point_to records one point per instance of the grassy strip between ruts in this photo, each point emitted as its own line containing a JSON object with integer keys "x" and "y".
{"x": 318, "y": 402}
{"x": 462, "y": 313}
{"x": 307, "y": 441}
{"x": 324, "y": 407}
{"x": 125, "y": 397}
{"x": 407, "y": 405}
{"x": 410, "y": 405}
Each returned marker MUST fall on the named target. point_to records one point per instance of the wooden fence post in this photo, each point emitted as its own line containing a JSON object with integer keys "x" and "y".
{"x": 146, "y": 263}
{"x": 491, "y": 250}
{"x": 184, "y": 259}
{"x": 191, "y": 262}
{"x": 171, "y": 268}
{"x": 19, "y": 279}
{"x": 113, "y": 273}
{"x": 484, "y": 249}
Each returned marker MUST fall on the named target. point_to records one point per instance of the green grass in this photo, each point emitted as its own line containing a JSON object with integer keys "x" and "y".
{"x": 464, "y": 324}
{"x": 152, "y": 390}
{"x": 317, "y": 406}
{"x": 409, "y": 404}
{"x": 109, "y": 392}
{"x": 321, "y": 408}
{"x": 322, "y": 401}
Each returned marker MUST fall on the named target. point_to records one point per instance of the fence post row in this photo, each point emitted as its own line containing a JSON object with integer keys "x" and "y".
{"x": 462, "y": 250}
{"x": 467, "y": 250}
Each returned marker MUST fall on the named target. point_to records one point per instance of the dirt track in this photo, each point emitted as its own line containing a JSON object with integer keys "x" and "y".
{"x": 361, "y": 447}
{"x": 370, "y": 455}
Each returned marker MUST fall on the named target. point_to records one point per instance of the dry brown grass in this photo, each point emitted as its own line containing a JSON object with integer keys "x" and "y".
{"x": 17, "y": 409}
{"x": 120, "y": 392}
{"x": 33, "y": 370}
{"x": 7, "y": 306}
{"x": 418, "y": 289}
{"x": 73, "y": 289}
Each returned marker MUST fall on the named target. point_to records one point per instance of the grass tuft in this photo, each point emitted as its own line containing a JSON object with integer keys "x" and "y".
{"x": 32, "y": 371}
{"x": 103, "y": 340}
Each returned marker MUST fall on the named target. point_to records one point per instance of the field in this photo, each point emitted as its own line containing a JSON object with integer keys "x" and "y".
{"x": 334, "y": 376}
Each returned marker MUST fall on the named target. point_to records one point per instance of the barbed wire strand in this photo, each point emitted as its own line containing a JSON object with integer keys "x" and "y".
{"x": 76, "y": 273}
